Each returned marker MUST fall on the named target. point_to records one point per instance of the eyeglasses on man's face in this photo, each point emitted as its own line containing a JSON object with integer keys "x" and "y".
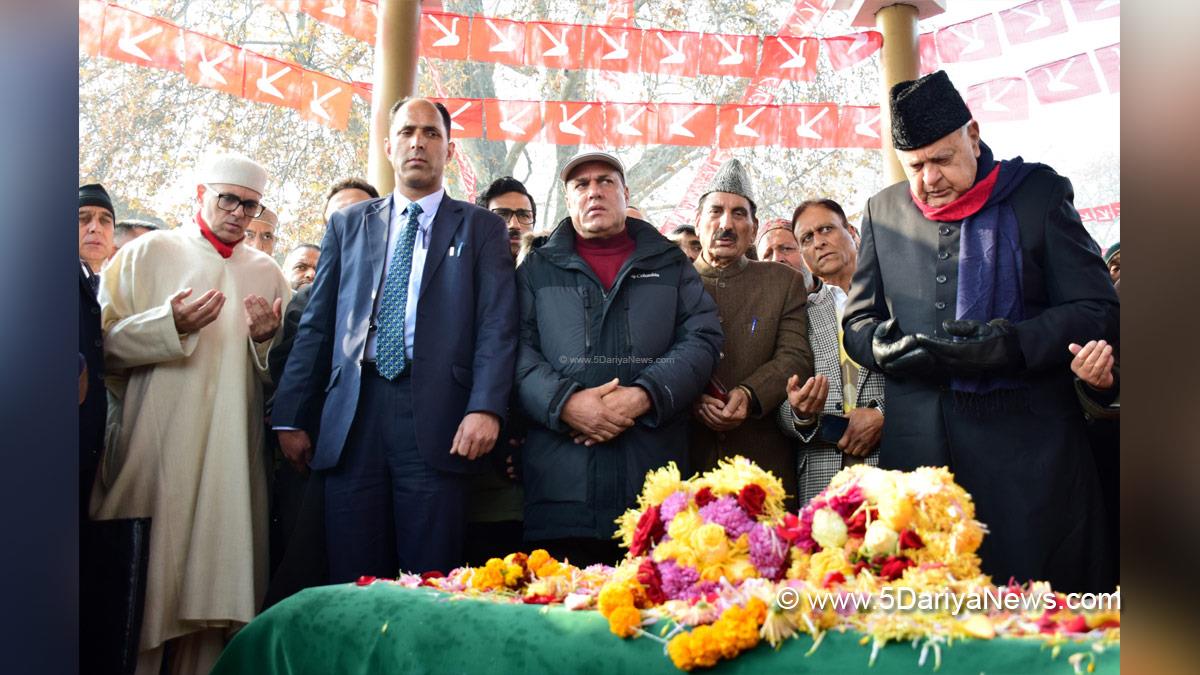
{"x": 229, "y": 202}
{"x": 524, "y": 216}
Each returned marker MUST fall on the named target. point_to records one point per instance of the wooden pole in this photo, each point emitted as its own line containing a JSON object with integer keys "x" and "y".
{"x": 397, "y": 41}
{"x": 900, "y": 60}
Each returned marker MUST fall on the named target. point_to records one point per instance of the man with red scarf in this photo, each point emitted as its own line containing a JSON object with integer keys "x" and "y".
{"x": 188, "y": 316}
{"x": 971, "y": 277}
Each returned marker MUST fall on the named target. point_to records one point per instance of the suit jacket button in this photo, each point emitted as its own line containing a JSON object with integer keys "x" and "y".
{"x": 945, "y": 231}
{"x": 941, "y": 278}
{"x": 939, "y": 304}
{"x": 942, "y": 255}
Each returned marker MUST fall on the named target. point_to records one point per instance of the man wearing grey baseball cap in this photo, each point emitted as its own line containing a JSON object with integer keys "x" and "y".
{"x": 189, "y": 453}
{"x": 618, "y": 338}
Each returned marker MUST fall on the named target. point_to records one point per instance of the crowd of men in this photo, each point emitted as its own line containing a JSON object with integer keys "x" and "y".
{"x": 439, "y": 382}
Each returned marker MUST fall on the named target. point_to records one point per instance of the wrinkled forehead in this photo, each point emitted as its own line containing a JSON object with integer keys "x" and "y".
{"x": 419, "y": 113}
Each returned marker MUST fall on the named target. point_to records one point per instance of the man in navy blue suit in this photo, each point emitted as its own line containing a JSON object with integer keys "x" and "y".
{"x": 411, "y": 329}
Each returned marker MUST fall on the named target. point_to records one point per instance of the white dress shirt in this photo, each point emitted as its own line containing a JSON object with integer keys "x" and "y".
{"x": 429, "y": 207}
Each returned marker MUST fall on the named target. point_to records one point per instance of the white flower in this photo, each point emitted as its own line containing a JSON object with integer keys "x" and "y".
{"x": 880, "y": 538}
{"x": 828, "y": 529}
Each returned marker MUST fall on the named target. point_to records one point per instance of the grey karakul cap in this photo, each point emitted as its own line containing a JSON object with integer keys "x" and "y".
{"x": 731, "y": 177}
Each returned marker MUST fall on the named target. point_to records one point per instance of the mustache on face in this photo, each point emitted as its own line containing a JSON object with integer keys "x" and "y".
{"x": 725, "y": 235}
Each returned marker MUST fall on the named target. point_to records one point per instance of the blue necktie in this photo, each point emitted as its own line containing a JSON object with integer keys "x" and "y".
{"x": 390, "y": 359}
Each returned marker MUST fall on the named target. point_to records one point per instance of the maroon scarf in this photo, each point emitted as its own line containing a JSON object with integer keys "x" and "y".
{"x": 224, "y": 249}
{"x": 966, "y": 205}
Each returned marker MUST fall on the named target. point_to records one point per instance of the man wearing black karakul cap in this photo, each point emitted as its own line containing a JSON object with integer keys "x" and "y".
{"x": 971, "y": 277}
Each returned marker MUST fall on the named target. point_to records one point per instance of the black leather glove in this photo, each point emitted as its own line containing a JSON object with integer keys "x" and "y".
{"x": 899, "y": 354}
{"x": 977, "y": 348}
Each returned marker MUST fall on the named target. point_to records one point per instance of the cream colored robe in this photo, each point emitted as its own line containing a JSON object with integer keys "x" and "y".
{"x": 189, "y": 450}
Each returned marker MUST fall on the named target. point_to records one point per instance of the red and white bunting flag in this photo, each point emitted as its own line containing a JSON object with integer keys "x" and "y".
{"x": 859, "y": 127}
{"x": 1096, "y": 10}
{"x": 808, "y": 125}
{"x": 363, "y": 22}
{"x": 1033, "y": 21}
{"x": 630, "y": 123}
{"x": 335, "y": 13}
{"x": 620, "y": 13}
{"x": 445, "y": 36}
{"x": 850, "y": 50}
{"x": 212, "y": 63}
{"x": 325, "y": 100}
{"x": 466, "y": 117}
{"x": 141, "y": 40}
{"x": 1064, "y": 80}
{"x": 1087, "y": 215}
{"x": 805, "y": 16}
{"x": 728, "y": 55}
{"x": 498, "y": 41}
{"x": 740, "y": 126}
{"x": 272, "y": 81}
{"x": 789, "y": 58}
{"x": 1001, "y": 100}
{"x": 1116, "y": 207}
{"x": 571, "y": 123}
{"x": 687, "y": 124}
{"x": 927, "y": 48}
{"x": 91, "y": 26}
{"x": 671, "y": 52}
{"x": 970, "y": 40}
{"x": 612, "y": 48}
{"x": 512, "y": 120}
{"x": 554, "y": 45}
{"x": 1104, "y": 214}
{"x": 1110, "y": 65}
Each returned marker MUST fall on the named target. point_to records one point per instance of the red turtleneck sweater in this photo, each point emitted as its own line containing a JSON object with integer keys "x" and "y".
{"x": 605, "y": 256}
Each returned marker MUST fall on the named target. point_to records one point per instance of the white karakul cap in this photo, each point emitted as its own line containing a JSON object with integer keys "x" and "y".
{"x": 233, "y": 168}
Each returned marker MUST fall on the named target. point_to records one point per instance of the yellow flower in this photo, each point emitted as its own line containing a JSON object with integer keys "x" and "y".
{"x": 824, "y": 562}
{"x": 659, "y": 485}
{"x": 731, "y": 475}
{"x": 880, "y": 538}
{"x": 710, "y": 543}
{"x": 613, "y": 596}
{"x": 895, "y": 509}
{"x": 740, "y": 569}
{"x": 828, "y": 529}
{"x": 684, "y": 524}
{"x": 625, "y": 621}
{"x": 513, "y": 574}
{"x": 538, "y": 558}
{"x": 627, "y": 526}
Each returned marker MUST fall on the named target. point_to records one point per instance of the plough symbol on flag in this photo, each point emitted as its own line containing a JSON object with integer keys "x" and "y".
{"x": 266, "y": 84}
{"x": 317, "y": 105}
{"x": 676, "y": 55}
{"x": 625, "y": 126}
{"x": 676, "y": 127}
{"x": 734, "y": 57}
{"x": 208, "y": 67}
{"x": 510, "y": 125}
{"x": 506, "y": 42}
{"x": 560, "y": 43}
{"x": 864, "y": 128}
{"x": 742, "y": 128}
{"x": 974, "y": 44}
{"x": 567, "y": 126}
{"x": 335, "y": 9}
{"x": 805, "y": 128}
{"x": 454, "y": 125}
{"x": 1040, "y": 20}
{"x": 450, "y": 36}
{"x": 619, "y": 51}
{"x": 798, "y": 59}
{"x": 129, "y": 43}
{"x": 1054, "y": 82}
{"x": 991, "y": 100}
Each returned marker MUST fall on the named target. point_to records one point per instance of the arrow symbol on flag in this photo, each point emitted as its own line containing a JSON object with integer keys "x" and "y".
{"x": 735, "y": 56}
{"x": 267, "y": 84}
{"x": 618, "y": 48}
{"x": 974, "y": 44}
{"x": 567, "y": 126}
{"x": 676, "y": 55}
{"x": 560, "y": 46}
{"x": 864, "y": 128}
{"x": 335, "y": 9}
{"x": 1040, "y": 20}
{"x": 454, "y": 117}
{"x": 805, "y": 128}
{"x": 625, "y": 126}
{"x": 677, "y": 129}
{"x": 510, "y": 125}
{"x": 798, "y": 60}
{"x": 992, "y": 102}
{"x": 1055, "y": 82}
{"x": 208, "y": 69}
{"x": 860, "y": 41}
{"x": 317, "y": 104}
{"x": 129, "y": 43}
{"x": 506, "y": 43}
{"x": 742, "y": 128}
{"x": 450, "y": 36}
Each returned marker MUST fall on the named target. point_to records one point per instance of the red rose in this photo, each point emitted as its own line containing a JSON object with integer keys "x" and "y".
{"x": 858, "y": 566}
{"x": 705, "y": 497}
{"x": 365, "y": 580}
{"x": 1076, "y": 625}
{"x": 648, "y": 577}
{"x": 833, "y": 578}
{"x": 649, "y": 529}
{"x": 789, "y": 529}
{"x": 894, "y": 567}
{"x": 751, "y": 498}
{"x": 910, "y": 539}
{"x": 857, "y": 526}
